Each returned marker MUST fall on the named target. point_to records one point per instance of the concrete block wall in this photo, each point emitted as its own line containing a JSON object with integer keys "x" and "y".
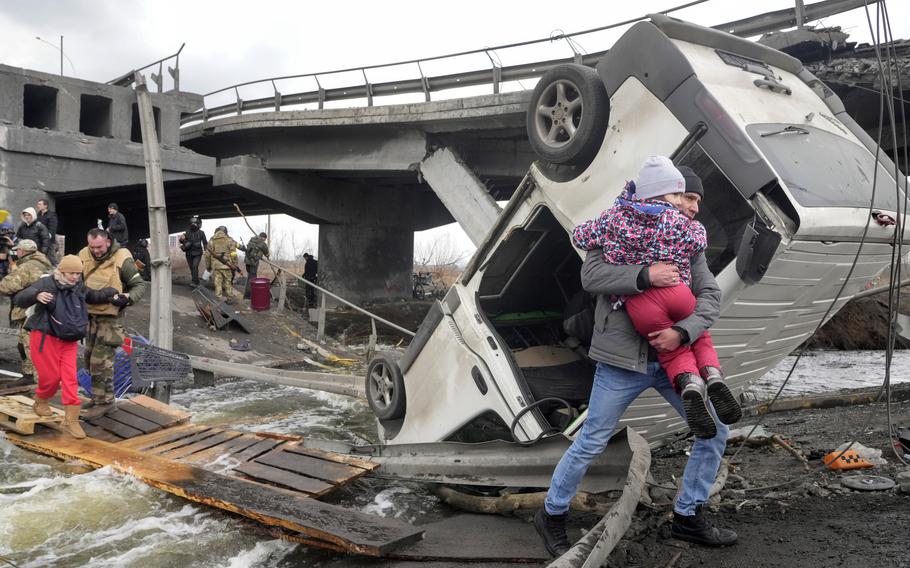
{"x": 69, "y": 97}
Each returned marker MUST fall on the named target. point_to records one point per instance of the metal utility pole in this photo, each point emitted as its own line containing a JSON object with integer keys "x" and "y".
{"x": 161, "y": 327}
{"x": 800, "y": 14}
{"x": 61, "y": 56}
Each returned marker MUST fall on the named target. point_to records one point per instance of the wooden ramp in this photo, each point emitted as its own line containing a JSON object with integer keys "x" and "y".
{"x": 269, "y": 478}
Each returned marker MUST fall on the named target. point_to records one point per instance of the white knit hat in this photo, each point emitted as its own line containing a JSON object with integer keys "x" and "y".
{"x": 658, "y": 176}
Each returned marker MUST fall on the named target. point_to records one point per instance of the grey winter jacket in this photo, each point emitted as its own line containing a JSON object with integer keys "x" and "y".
{"x": 615, "y": 341}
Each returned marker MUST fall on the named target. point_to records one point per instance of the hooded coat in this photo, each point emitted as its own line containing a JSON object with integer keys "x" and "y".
{"x": 35, "y": 231}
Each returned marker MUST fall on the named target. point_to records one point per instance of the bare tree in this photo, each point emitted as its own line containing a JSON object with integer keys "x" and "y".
{"x": 441, "y": 257}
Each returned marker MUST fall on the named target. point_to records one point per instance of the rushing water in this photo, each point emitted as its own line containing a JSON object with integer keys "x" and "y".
{"x": 58, "y": 514}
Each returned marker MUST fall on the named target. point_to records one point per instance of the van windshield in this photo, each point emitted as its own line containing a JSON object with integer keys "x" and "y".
{"x": 822, "y": 169}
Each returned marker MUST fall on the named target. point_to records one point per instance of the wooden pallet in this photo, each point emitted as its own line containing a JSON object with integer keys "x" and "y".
{"x": 16, "y": 414}
{"x": 266, "y": 458}
{"x": 135, "y": 417}
{"x": 324, "y": 524}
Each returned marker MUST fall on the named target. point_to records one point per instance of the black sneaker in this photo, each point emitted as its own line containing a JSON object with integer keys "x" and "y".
{"x": 694, "y": 397}
{"x": 725, "y": 404}
{"x": 552, "y": 529}
{"x": 700, "y": 530}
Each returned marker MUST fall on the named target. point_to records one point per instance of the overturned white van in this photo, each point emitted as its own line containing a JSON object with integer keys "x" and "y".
{"x": 791, "y": 184}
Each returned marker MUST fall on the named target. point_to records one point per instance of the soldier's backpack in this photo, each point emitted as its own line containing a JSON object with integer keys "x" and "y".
{"x": 69, "y": 318}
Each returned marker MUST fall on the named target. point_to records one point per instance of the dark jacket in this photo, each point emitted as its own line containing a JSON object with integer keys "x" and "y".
{"x": 194, "y": 242}
{"x": 142, "y": 255}
{"x": 255, "y": 250}
{"x": 36, "y": 232}
{"x": 615, "y": 341}
{"x": 116, "y": 227}
{"x": 311, "y": 269}
{"x": 39, "y": 320}
{"x": 49, "y": 220}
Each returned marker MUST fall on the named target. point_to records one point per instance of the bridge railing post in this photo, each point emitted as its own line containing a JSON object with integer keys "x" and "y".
{"x": 424, "y": 82}
{"x": 369, "y": 87}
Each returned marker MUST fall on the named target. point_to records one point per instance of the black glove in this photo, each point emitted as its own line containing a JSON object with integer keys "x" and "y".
{"x": 120, "y": 301}
{"x": 108, "y": 293}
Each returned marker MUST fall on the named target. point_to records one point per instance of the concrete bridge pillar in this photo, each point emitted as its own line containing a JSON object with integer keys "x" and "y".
{"x": 460, "y": 190}
{"x": 362, "y": 263}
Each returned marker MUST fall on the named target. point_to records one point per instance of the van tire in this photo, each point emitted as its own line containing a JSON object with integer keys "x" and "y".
{"x": 385, "y": 388}
{"x": 570, "y": 95}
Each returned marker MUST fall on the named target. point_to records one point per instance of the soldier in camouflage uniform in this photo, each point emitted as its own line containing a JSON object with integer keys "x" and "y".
{"x": 105, "y": 264}
{"x": 257, "y": 248}
{"x": 31, "y": 266}
{"x": 221, "y": 260}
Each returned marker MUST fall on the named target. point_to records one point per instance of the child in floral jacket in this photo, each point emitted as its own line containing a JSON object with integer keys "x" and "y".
{"x": 643, "y": 227}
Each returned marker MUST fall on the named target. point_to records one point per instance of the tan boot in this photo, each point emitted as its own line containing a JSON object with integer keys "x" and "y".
{"x": 71, "y": 421}
{"x": 41, "y": 407}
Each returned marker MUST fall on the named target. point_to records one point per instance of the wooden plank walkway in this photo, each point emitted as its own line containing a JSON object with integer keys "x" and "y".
{"x": 270, "y": 478}
{"x": 339, "y": 527}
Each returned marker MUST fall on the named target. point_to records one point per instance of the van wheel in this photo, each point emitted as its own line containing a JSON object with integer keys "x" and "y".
{"x": 385, "y": 388}
{"x": 568, "y": 115}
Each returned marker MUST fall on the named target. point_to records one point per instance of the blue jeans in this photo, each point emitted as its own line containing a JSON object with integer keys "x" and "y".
{"x": 614, "y": 390}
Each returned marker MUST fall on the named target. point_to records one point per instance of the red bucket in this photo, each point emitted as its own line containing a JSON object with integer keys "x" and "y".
{"x": 260, "y": 294}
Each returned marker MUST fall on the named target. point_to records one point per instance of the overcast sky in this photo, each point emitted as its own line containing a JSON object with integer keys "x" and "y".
{"x": 228, "y": 41}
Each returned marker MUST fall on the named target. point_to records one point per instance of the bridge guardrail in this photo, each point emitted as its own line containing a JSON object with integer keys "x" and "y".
{"x": 495, "y": 75}
{"x": 421, "y": 83}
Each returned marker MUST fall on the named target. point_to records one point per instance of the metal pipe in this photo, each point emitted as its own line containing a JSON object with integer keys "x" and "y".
{"x": 340, "y": 299}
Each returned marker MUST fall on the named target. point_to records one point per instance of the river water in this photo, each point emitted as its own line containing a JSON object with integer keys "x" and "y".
{"x": 58, "y": 514}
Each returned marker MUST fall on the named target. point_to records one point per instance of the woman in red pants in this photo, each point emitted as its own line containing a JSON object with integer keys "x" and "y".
{"x": 56, "y": 327}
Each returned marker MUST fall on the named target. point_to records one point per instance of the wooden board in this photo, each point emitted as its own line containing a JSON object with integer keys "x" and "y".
{"x": 158, "y": 418}
{"x": 149, "y": 441}
{"x": 284, "y": 478}
{"x": 350, "y": 529}
{"x": 257, "y": 449}
{"x": 309, "y": 466}
{"x": 16, "y": 414}
{"x": 227, "y": 448}
{"x": 190, "y": 449}
{"x": 350, "y": 460}
{"x": 185, "y": 441}
{"x": 100, "y": 433}
{"x": 131, "y": 420}
{"x": 175, "y": 415}
{"x": 117, "y": 428}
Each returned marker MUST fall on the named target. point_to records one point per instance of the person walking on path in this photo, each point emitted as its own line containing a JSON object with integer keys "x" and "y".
{"x": 646, "y": 226}
{"x": 105, "y": 264}
{"x": 626, "y": 367}
{"x": 32, "y": 229}
{"x": 310, "y": 273}
{"x": 193, "y": 244}
{"x": 116, "y": 226}
{"x": 31, "y": 266}
{"x": 221, "y": 261}
{"x": 143, "y": 259}
{"x": 59, "y": 322}
{"x": 49, "y": 219}
{"x": 255, "y": 249}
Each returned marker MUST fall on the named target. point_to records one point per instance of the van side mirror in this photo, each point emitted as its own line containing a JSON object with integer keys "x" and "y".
{"x": 756, "y": 250}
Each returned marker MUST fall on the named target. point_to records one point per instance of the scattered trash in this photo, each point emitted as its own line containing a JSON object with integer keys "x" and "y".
{"x": 871, "y": 455}
{"x": 239, "y": 344}
{"x": 739, "y": 435}
{"x": 839, "y": 459}
{"x": 867, "y": 482}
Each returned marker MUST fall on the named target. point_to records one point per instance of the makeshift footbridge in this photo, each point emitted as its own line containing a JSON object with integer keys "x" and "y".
{"x": 280, "y": 481}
